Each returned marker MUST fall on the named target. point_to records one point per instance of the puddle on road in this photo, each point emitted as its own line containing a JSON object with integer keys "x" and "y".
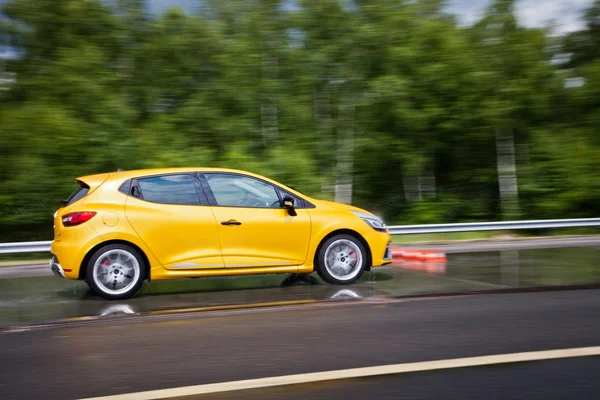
{"x": 48, "y": 298}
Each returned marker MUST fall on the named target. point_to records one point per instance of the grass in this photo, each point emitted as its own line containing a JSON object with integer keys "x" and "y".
{"x": 436, "y": 237}
{"x": 25, "y": 257}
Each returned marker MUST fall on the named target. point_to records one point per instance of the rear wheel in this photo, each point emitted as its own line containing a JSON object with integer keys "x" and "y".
{"x": 115, "y": 272}
{"x": 342, "y": 260}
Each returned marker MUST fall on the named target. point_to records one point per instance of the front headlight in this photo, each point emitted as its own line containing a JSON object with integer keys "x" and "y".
{"x": 373, "y": 221}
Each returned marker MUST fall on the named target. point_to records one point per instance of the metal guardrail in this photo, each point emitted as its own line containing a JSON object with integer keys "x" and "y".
{"x": 494, "y": 226}
{"x": 25, "y": 247}
{"x": 42, "y": 247}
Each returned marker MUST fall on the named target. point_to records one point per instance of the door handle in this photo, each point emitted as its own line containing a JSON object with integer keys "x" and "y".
{"x": 231, "y": 222}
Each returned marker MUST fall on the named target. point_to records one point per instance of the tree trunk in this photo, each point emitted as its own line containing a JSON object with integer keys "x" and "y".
{"x": 507, "y": 173}
{"x": 345, "y": 153}
{"x": 427, "y": 181}
{"x": 269, "y": 123}
{"x": 268, "y": 111}
{"x": 412, "y": 186}
{"x": 322, "y": 113}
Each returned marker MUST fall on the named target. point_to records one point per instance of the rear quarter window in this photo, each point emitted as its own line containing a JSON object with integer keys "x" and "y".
{"x": 77, "y": 195}
{"x": 125, "y": 187}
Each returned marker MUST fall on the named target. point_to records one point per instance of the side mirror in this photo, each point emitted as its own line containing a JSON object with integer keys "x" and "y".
{"x": 288, "y": 204}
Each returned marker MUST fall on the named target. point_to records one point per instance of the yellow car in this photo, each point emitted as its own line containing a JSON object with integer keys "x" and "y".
{"x": 118, "y": 229}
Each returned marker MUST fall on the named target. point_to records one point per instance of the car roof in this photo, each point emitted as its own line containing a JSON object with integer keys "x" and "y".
{"x": 159, "y": 171}
{"x": 96, "y": 180}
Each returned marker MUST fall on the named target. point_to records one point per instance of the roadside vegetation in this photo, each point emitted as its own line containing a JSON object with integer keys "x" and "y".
{"x": 387, "y": 104}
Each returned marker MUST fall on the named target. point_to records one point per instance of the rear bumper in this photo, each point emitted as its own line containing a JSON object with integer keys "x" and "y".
{"x": 66, "y": 260}
{"x": 56, "y": 268}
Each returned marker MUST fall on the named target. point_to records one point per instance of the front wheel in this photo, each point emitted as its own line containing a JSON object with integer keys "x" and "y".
{"x": 115, "y": 272}
{"x": 341, "y": 260}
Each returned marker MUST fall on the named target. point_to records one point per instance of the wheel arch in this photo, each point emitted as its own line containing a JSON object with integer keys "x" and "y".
{"x": 352, "y": 233}
{"x": 89, "y": 254}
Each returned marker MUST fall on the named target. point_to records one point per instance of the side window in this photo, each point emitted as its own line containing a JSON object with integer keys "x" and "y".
{"x": 169, "y": 189}
{"x": 241, "y": 191}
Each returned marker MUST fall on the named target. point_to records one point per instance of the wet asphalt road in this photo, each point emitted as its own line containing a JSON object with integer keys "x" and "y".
{"x": 547, "y": 380}
{"x": 42, "y": 299}
{"x": 152, "y": 353}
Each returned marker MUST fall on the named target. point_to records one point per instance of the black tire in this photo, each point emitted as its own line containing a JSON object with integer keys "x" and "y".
{"x": 136, "y": 280}
{"x": 326, "y": 273}
{"x": 92, "y": 290}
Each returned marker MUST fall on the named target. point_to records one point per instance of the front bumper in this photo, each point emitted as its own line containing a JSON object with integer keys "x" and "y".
{"x": 56, "y": 268}
{"x": 388, "y": 256}
{"x": 380, "y": 247}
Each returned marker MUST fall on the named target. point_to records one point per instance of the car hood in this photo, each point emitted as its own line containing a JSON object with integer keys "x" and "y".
{"x": 341, "y": 206}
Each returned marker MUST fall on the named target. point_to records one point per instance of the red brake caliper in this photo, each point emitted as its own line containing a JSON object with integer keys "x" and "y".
{"x": 353, "y": 255}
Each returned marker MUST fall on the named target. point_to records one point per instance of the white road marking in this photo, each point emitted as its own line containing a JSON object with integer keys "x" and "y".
{"x": 356, "y": 373}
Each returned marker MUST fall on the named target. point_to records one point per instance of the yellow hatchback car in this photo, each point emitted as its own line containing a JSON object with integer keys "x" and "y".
{"x": 118, "y": 229}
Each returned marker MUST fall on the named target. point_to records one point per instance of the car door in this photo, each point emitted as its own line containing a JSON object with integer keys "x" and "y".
{"x": 254, "y": 229}
{"x": 171, "y": 215}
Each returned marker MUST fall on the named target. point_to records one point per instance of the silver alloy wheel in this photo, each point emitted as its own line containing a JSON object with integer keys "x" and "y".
{"x": 116, "y": 271}
{"x": 343, "y": 259}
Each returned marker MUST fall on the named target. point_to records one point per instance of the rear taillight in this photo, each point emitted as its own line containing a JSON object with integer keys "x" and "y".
{"x": 77, "y": 218}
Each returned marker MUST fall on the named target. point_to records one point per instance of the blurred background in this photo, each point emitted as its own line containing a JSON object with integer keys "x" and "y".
{"x": 422, "y": 111}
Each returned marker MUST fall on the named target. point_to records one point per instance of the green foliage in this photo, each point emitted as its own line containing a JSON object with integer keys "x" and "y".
{"x": 392, "y": 96}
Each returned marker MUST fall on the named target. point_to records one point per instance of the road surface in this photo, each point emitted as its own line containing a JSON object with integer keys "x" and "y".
{"x": 43, "y": 299}
{"x": 157, "y": 352}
